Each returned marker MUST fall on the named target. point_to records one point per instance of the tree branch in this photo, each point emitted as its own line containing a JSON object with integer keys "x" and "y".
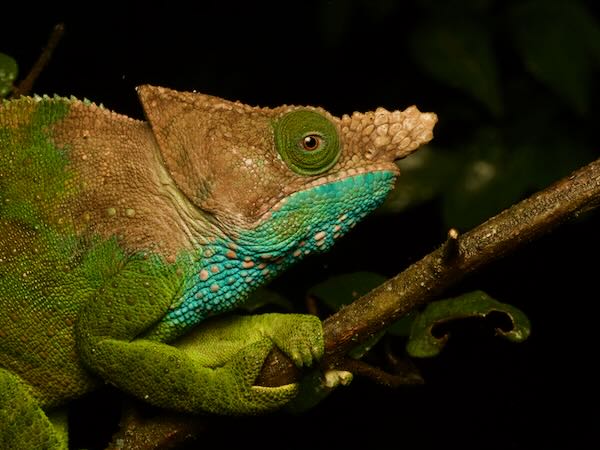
{"x": 459, "y": 256}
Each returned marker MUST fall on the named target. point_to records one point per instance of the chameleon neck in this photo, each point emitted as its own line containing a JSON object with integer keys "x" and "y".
{"x": 226, "y": 270}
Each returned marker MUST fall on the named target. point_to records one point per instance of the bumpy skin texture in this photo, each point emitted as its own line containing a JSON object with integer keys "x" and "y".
{"x": 118, "y": 236}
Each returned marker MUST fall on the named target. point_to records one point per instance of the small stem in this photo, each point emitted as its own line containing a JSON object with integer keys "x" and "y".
{"x": 358, "y": 367}
{"x": 26, "y": 85}
{"x": 451, "y": 246}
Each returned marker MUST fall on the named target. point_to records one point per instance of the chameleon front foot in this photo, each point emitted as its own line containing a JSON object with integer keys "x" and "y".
{"x": 236, "y": 347}
{"x": 299, "y": 336}
{"x": 231, "y": 389}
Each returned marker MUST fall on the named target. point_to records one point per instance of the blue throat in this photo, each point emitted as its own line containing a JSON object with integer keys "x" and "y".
{"x": 307, "y": 222}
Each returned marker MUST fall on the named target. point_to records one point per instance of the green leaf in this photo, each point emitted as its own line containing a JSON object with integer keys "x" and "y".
{"x": 333, "y": 19}
{"x": 458, "y": 53}
{"x": 559, "y": 43}
{"x": 8, "y": 74}
{"x": 425, "y": 174}
{"x": 403, "y": 325}
{"x": 342, "y": 290}
{"x": 361, "y": 350}
{"x": 423, "y": 344}
{"x": 491, "y": 178}
{"x": 262, "y": 297}
{"x": 556, "y": 155}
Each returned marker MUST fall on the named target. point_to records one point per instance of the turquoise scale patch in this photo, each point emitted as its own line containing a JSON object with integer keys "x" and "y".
{"x": 308, "y": 222}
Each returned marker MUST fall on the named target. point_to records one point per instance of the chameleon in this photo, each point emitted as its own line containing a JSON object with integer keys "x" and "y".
{"x": 119, "y": 236}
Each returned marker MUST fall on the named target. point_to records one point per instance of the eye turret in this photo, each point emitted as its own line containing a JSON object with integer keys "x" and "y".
{"x": 307, "y": 141}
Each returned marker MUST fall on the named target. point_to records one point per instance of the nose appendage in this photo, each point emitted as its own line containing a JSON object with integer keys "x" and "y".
{"x": 387, "y": 135}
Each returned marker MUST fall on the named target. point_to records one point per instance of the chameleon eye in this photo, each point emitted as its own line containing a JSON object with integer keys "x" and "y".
{"x": 307, "y": 141}
{"x": 311, "y": 142}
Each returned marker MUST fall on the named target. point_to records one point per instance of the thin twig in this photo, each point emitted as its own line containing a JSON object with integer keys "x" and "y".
{"x": 361, "y": 368}
{"x": 451, "y": 247}
{"x": 26, "y": 85}
{"x": 169, "y": 430}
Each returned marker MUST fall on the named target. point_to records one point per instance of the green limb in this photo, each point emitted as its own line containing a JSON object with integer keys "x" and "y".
{"x": 216, "y": 341}
{"x": 168, "y": 377}
{"x": 23, "y": 424}
{"x": 214, "y": 373}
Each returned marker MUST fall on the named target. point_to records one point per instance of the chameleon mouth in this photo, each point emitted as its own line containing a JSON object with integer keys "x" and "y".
{"x": 332, "y": 179}
{"x": 358, "y": 182}
{"x": 312, "y": 220}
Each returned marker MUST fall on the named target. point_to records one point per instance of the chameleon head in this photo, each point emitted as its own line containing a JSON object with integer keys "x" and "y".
{"x": 282, "y": 181}
{"x": 271, "y": 185}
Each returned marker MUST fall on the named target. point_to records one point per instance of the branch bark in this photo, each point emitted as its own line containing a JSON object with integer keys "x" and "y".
{"x": 459, "y": 256}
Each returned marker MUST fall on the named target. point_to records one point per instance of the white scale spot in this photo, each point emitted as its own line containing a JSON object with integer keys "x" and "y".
{"x": 320, "y": 235}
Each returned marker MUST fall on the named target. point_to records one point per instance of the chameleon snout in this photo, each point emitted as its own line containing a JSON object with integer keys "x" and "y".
{"x": 386, "y": 136}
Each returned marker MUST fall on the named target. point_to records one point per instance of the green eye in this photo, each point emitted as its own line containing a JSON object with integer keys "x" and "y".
{"x": 307, "y": 141}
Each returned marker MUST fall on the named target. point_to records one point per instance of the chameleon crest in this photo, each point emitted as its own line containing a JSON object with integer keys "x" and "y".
{"x": 118, "y": 236}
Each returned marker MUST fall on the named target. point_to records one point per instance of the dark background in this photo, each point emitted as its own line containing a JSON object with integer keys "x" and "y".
{"x": 514, "y": 85}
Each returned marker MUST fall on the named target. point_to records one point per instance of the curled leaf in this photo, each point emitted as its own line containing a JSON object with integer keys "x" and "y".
{"x": 263, "y": 297}
{"x": 423, "y": 343}
{"x": 343, "y": 289}
{"x": 459, "y": 54}
{"x": 425, "y": 175}
{"x": 558, "y": 43}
